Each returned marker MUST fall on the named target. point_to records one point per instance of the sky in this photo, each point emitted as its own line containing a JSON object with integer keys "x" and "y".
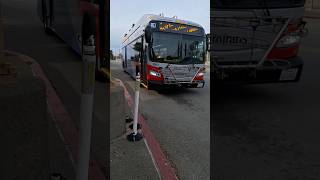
{"x": 124, "y": 13}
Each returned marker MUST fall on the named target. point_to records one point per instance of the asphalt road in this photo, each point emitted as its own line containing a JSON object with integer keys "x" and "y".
{"x": 24, "y": 34}
{"x": 180, "y": 120}
{"x": 270, "y": 132}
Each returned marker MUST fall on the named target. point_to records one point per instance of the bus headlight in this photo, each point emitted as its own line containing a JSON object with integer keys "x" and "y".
{"x": 200, "y": 74}
{"x": 154, "y": 73}
{"x": 288, "y": 40}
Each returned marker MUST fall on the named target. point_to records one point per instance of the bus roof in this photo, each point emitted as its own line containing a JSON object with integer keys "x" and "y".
{"x": 138, "y": 29}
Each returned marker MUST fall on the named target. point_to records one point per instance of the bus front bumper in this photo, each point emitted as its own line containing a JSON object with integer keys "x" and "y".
{"x": 193, "y": 84}
{"x": 270, "y": 72}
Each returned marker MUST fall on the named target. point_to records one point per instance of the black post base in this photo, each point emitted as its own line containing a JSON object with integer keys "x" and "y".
{"x": 138, "y": 126}
{"x": 128, "y": 119}
{"x": 132, "y": 137}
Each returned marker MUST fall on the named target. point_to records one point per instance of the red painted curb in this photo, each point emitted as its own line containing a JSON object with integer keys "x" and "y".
{"x": 166, "y": 170}
{"x": 62, "y": 118}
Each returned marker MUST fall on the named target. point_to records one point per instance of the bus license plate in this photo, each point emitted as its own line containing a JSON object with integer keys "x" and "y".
{"x": 180, "y": 74}
{"x": 289, "y": 74}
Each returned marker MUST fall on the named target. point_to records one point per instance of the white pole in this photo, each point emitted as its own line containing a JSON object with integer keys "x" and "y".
{"x": 86, "y": 109}
{"x": 136, "y": 105}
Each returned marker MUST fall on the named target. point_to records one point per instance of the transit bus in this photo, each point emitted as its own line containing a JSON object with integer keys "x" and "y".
{"x": 165, "y": 51}
{"x": 73, "y": 21}
{"x": 256, "y": 41}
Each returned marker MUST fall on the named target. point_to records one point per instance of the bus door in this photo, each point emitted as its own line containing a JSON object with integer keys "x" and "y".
{"x": 144, "y": 63}
{"x": 134, "y": 51}
{"x": 63, "y": 20}
{"x": 124, "y": 58}
{"x": 50, "y": 12}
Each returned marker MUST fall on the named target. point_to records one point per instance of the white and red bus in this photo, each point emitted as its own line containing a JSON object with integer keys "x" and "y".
{"x": 166, "y": 51}
{"x": 256, "y": 41}
{"x": 73, "y": 21}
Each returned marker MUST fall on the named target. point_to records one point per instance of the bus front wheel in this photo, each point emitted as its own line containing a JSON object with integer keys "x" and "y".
{"x": 151, "y": 86}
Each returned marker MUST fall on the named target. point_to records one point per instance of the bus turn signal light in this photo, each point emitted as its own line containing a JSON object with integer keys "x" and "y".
{"x": 289, "y": 43}
{"x": 154, "y": 73}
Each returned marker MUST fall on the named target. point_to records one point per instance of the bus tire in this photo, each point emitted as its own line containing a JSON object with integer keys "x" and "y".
{"x": 88, "y": 29}
{"x": 151, "y": 86}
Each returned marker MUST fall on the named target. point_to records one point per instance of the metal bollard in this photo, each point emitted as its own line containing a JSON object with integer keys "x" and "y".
{"x": 86, "y": 109}
{"x": 135, "y": 135}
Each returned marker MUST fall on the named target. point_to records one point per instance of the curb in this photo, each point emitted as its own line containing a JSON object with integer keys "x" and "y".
{"x": 164, "y": 166}
{"x": 67, "y": 130}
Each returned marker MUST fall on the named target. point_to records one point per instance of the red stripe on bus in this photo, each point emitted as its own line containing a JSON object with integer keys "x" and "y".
{"x": 284, "y": 53}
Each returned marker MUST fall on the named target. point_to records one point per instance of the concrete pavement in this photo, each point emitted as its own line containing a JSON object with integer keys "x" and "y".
{"x": 128, "y": 160}
{"x": 23, "y": 123}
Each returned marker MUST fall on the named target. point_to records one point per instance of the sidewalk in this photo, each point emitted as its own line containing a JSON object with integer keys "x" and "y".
{"x": 128, "y": 160}
{"x": 24, "y": 154}
{"x": 33, "y": 144}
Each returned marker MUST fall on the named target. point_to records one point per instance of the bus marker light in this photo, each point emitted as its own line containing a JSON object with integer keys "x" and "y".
{"x": 288, "y": 40}
{"x": 200, "y": 74}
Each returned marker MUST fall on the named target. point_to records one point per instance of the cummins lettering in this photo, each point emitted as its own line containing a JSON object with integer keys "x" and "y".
{"x": 225, "y": 39}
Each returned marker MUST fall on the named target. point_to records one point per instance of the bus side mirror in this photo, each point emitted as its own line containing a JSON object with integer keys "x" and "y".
{"x": 148, "y": 34}
{"x": 207, "y": 42}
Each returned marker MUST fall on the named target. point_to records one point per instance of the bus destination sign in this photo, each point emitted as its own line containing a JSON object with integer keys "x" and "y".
{"x": 176, "y": 28}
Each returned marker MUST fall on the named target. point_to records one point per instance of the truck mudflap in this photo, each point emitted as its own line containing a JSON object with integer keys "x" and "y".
{"x": 275, "y": 71}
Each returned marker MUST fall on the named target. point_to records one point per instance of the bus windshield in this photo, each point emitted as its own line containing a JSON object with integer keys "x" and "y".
{"x": 176, "y": 48}
{"x": 256, "y": 4}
